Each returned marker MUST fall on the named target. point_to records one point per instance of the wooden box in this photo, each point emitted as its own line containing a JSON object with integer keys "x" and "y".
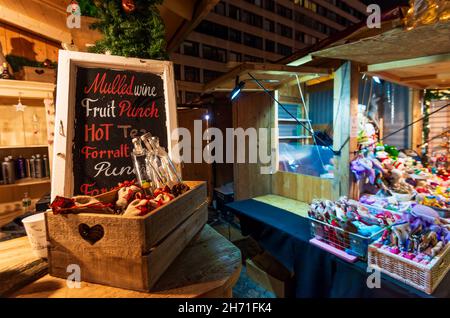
{"x": 125, "y": 252}
{"x": 36, "y": 74}
{"x": 272, "y": 275}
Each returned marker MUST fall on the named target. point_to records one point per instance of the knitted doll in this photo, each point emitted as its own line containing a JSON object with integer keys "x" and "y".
{"x": 125, "y": 195}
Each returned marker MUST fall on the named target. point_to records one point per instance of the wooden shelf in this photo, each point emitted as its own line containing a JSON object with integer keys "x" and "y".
{"x": 26, "y": 182}
{"x": 26, "y": 89}
{"x": 11, "y": 210}
{"x": 292, "y": 120}
{"x": 293, "y": 137}
{"x": 23, "y": 146}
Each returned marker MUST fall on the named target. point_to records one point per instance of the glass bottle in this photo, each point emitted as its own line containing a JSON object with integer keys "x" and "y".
{"x": 139, "y": 161}
{"x": 167, "y": 166}
{"x": 5, "y": 72}
{"x": 26, "y": 203}
{"x": 154, "y": 163}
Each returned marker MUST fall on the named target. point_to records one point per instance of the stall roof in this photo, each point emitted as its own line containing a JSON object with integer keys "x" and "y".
{"x": 48, "y": 19}
{"x": 393, "y": 45}
{"x": 418, "y": 58}
{"x": 271, "y": 76}
{"x": 432, "y": 72}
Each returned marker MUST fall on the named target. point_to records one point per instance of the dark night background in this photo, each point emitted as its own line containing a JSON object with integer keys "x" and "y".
{"x": 387, "y": 4}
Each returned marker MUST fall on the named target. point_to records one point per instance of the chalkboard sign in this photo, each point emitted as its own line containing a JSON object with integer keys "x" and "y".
{"x": 104, "y": 104}
{"x": 111, "y": 108}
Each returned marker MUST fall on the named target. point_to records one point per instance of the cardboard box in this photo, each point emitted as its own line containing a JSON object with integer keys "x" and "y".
{"x": 272, "y": 275}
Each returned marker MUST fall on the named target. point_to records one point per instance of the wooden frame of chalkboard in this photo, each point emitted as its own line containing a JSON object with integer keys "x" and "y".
{"x": 102, "y": 102}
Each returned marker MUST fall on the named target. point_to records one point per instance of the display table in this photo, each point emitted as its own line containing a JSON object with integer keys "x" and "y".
{"x": 208, "y": 267}
{"x": 318, "y": 273}
{"x": 18, "y": 265}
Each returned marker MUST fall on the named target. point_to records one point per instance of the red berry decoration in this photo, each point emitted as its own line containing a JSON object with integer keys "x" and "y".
{"x": 128, "y": 6}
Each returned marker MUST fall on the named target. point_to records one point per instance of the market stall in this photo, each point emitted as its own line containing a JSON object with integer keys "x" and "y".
{"x": 366, "y": 230}
{"x": 118, "y": 201}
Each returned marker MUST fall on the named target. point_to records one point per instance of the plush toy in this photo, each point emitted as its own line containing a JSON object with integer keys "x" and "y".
{"x": 399, "y": 164}
{"x": 392, "y": 151}
{"x": 401, "y": 231}
{"x": 432, "y": 201}
{"x": 139, "y": 207}
{"x": 79, "y": 204}
{"x": 125, "y": 195}
{"x": 362, "y": 168}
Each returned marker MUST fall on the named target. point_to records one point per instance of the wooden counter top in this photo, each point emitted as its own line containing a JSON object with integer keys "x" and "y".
{"x": 208, "y": 267}
{"x": 18, "y": 265}
{"x": 290, "y": 205}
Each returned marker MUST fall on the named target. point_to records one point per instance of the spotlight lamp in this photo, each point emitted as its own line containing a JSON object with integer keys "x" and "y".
{"x": 237, "y": 89}
{"x": 377, "y": 79}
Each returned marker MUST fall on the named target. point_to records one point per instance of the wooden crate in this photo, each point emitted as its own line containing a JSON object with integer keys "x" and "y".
{"x": 272, "y": 275}
{"x": 133, "y": 252}
{"x": 36, "y": 74}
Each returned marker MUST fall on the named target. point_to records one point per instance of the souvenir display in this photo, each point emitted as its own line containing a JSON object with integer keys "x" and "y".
{"x": 347, "y": 225}
{"x": 415, "y": 250}
{"x": 419, "y": 236}
{"x": 392, "y": 173}
{"x": 376, "y": 203}
{"x": 130, "y": 200}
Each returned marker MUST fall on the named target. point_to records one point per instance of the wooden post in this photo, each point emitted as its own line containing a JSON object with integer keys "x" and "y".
{"x": 345, "y": 127}
{"x": 416, "y": 113}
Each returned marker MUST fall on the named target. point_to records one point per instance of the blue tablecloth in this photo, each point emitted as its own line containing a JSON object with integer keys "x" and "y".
{"x": 317, "y": 273}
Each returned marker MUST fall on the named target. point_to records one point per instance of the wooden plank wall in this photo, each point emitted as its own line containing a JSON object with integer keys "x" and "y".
{"x": 222, "y": 118}
{"x": 301, "y": 187}
{"x": 251, "y": 110}
{"x": 297, "y": 186}
{"x": 439, "y": 123}
{"x": 22, "y": 43}
{"x": 416, "y": 97}
{"x": 195, "y": 171}
{"x": 257, "y": 110}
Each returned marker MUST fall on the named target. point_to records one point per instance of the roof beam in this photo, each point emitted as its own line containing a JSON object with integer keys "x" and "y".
{"x": 38, "y": 26}
{"x": 420, "y": 61}
{"x": 200, "y": 11}
{"x": 270, "y": 71}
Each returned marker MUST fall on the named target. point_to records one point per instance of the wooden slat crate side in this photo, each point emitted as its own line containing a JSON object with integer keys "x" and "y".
{"x": 123, "y": 237}
{"x": 106, "y": 270}
{"x": 37, "y": 74}
{"x": 163, "y": 221}
{"x": 161, "y": 256}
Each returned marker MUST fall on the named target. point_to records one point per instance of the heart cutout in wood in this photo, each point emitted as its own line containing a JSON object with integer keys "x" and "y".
{"x": 39, "y": 72}
{"x": 91, "y": 234}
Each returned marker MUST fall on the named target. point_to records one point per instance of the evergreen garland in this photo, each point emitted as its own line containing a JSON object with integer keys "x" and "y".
{"x": 18, "y": 62}
{"x": 87, "y": 8}
{"x": 140, "y": 33}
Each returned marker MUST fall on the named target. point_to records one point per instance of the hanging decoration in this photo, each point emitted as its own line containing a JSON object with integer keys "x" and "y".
{"x": 36, "y": 124}
{"x": 130, "y": 28}
{"x": 423, "y": 12}
{"x": 50, "y": 109}
{"x": 20, "y": 107}
{"x": 128, "y": 6}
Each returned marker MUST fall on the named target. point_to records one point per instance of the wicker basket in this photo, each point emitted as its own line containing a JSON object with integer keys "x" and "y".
{"x": 422, "y": 277}
{"x": 351, "y": 243}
